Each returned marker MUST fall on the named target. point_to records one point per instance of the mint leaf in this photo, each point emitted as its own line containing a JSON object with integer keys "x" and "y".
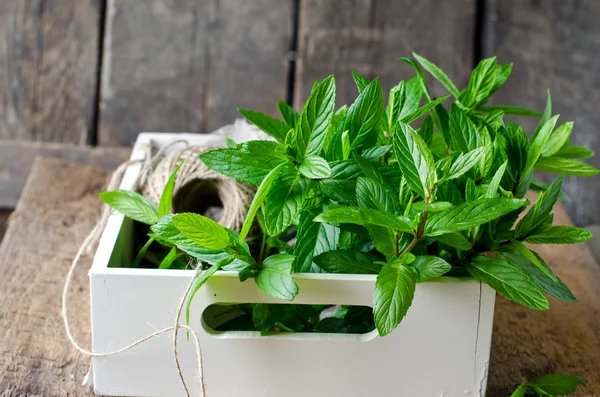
{"x": 568, "y": 166}
{"x": 558, "y": 139}
{"x": 284, "y": 200}
{"x": 442, "y": 168}
{"x": 201, "y": 280}
{"x": 131, "y": 204}
{"x": 540, "y": 210}
{"x": 383, "y": 238}
{"x": 540, "y": 186}
{"x": 202, "y": 230}
{"x": 432, "y": 207}
{"x": 230, "y": 142}
{"x": 164, "y": 206}
{"x": 545, "y": 116}
{"x": 142, "y": 252}
{"x": 465, "y": 161}
{"x": 312, "y": 239}
{"x": 346, "y": 146}
{"x": 394, "y": 292}
{"x": 574, "y": 152}
{"x": 360, "y": 81}
{"x": 385, "y": 175}
{"x": 373, "y": 195}
{"x": 557, "y": 384}
{"x": 277, "y": 129}
{"x": 551, "y": 285}
{"x": 394, "y": 106}
{"x": 560, "y": 235}
{"x": 288, "y": 114}
{"x": 314, "y": 167}
{"x": 250, "y": 162}
{"x": 530, "y": 254}
{"x": 341, "y": 185}
{"x": 376, "y": 152}
{"x": 468, "y": 215}
{"x": 415, "y": 160}
{"x": 462, "y": 130}
{"x": 315, "y": 118}
{"x": 481, "y": 83}
{"x": 520, "y": 391}
{"x": 517, "y": 147}
{"x": 349, "y": 261}
{"x": 438, "y": 73}
{"x": 426, "y": 131}
{"x": 258, "y": 199}
{"x": 430, "y": 267}
{"x": 422, "y": 110}
{"x": 169, "y": 259}
{"x": 509, "y": 281}
{"x": 502, "y": 74}
{"x": 274, "y": 277}
{"x": 413, "y": 94}
{"x": 455, "y": 240}
{"x": 538, "y": 143}
{"x": 492, "y": 189}
{"x": 364, "y": 116}
{"x": 364, "y": 216}
{"x": 165, "y": 232}
{"x": 509, "y": 110}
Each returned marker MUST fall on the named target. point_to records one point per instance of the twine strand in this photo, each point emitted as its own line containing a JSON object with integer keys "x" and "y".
{"x": 240, "y": 198}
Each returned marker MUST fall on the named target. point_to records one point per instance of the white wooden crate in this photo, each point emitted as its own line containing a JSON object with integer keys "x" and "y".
{"x": 441, "y": 348}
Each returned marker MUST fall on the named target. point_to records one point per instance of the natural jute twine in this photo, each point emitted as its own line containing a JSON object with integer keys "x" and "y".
{"x": 155, "y": 172}
{"x": 234, "y": 196}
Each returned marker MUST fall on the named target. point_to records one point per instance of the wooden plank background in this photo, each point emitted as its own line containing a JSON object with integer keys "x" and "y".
{"x": 98, "y": 72}
{"x": 48, "y": 72}
{"x": 555, "y": 45}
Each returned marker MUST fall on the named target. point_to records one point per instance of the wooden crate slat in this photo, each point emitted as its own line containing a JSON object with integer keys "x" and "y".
{"x": 49, "y": 58}
{"x": 16, "y": 159}
{"x": 553, "y": 44}
{"x": 186, "y": 66}
{"x": 368, "y": 36}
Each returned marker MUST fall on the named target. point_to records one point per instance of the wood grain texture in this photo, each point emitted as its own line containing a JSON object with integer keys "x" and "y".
{"x": 16, "y": 159}
{"x": 49, "y": 57}
{"x": 368, "y": 36}
{"x": 553, "y": 44}
{"x": 172, "y": 65}
{"x": 59, "y": 206}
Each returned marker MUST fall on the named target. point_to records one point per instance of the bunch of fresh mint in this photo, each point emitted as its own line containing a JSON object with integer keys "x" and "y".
{"x": 362, "y": 190}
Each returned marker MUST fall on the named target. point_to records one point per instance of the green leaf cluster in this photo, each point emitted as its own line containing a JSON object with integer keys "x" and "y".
{"x": 407, "y": 189}
{"x": 550, "y": 385}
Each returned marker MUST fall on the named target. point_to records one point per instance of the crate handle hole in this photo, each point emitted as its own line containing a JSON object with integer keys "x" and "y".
{"x": 244, "y": 320}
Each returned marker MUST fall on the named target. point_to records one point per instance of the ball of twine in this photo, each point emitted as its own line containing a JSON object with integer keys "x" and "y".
{"x": 198, "y": 188}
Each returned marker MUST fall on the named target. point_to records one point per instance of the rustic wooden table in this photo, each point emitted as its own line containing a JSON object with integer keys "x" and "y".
{"x": 59, "y": 206}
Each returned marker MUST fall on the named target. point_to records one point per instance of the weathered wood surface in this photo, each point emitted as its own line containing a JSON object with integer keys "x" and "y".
{"x": 553, "y": 44}
{"x": 17, "y": 157}
{"x": 58, "y": 208}
{"x": 368, "y": 36}
{"x": 174, "y": 66}
{"x": 49, "y": 57}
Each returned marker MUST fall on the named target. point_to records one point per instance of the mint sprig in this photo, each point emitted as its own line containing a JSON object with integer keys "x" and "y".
{"x": 410, "y": 189}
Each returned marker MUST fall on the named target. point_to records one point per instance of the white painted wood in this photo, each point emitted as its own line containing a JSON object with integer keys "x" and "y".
{"x": 441, "y": 348}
